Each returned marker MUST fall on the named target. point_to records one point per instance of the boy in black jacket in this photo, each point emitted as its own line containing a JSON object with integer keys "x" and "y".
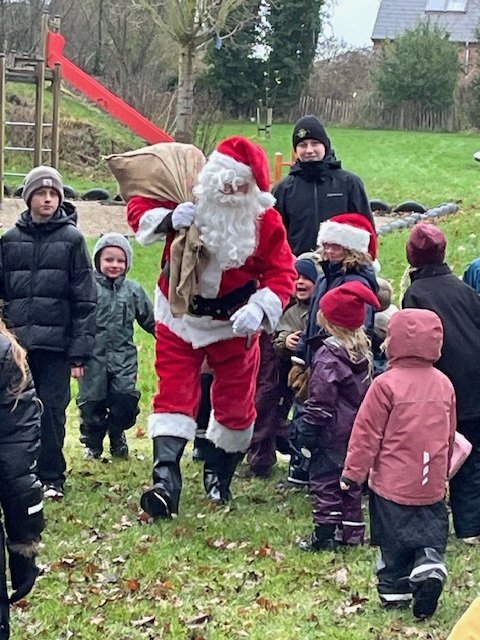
{"x": 47, "y": 286}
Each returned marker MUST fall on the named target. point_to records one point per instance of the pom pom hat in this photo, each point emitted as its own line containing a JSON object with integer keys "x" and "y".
{"x": 350, "y": 230}
{"x": 426, "y": 244}
{"x": 344, "y": 306}
{"x": 244, "y": 157}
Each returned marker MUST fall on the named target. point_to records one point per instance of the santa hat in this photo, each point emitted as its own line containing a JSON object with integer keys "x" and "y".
{"x": 350, "y": 230}
{"x": 246, "y": 158}
{"x": 344, "y": 306}
{"x": 426, "y": 244}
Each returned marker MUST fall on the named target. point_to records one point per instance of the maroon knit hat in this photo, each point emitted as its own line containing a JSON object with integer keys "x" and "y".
{"x": 426, "y": 244}
{"x": 345, "y": 305}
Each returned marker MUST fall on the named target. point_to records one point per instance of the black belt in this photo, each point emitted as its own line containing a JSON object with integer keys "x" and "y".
{"x": 225, "y": 306}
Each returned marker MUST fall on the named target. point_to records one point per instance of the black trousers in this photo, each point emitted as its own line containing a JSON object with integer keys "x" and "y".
{"x": 4, "y": 604}
{"x": 412, "y": 541}
{"x": 465, "y": 496}
{"x": 51, "y": 375}
{"x": 112, "y": 415}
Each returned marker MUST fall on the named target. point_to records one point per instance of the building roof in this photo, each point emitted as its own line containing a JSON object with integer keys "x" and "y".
{"x": 394, "y": 17}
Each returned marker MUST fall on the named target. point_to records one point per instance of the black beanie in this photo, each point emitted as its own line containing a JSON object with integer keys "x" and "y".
{"x": 310, "y": 128}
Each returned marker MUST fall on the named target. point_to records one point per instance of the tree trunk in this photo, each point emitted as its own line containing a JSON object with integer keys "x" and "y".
{"x": 184, "y": 129}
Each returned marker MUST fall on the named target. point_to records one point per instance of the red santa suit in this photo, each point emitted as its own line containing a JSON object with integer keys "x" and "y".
{"x": 183, "y": 342}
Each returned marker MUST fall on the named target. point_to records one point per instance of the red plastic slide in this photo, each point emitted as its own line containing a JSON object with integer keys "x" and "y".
{"x": 101, "y": 95}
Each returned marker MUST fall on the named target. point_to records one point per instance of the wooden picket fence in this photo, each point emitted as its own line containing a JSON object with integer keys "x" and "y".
{"x": 408, "y": 116}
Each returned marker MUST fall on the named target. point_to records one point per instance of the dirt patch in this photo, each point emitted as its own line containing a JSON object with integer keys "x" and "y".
{"x": 94, "y": 218}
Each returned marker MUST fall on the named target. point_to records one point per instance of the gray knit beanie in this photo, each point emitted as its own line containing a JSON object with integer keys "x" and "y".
{"x": 40, "y": 177}
{"x": 112, "y": 240}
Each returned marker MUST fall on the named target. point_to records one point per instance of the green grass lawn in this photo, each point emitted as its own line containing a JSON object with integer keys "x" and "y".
{"x": 236, "y": 572}
{"x": 215, "y": 573}
{"x": 395, "y": 165}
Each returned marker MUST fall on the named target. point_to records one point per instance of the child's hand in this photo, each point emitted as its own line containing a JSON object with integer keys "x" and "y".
{"x": 346, "y": 483}
{"x": 76, "y": 372}
{"x": 292, "y": 340}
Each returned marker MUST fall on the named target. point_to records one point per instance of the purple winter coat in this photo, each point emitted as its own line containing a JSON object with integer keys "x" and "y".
{"x": 336, "y": 389}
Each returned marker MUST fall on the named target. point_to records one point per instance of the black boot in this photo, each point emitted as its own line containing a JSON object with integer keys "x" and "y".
{"x": 218, "y": 472}
{"x": 322, "y": 538}
{"x": 161, "y": 500}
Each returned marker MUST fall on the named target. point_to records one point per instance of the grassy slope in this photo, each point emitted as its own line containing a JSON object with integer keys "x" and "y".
{"x": 236, "y": 572}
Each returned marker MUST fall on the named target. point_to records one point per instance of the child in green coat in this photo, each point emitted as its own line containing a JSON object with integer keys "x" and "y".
{"x": 108, "y": 398}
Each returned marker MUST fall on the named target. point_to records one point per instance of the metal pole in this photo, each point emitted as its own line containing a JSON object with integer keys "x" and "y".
{"x": 39, "y": 104}
{"x": 57, "y": 89}
{"x": 3, "y": 66}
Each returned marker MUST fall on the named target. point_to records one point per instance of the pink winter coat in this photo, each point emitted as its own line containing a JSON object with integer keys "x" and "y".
{"x": 405, "y": 428}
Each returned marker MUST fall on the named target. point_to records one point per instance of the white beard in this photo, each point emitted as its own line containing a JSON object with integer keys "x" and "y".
{"x": 228, "y": 224}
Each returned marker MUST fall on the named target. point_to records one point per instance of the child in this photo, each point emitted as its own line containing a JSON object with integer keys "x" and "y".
{"x": 380, "y": 322}
{"x": 47, "y": 285}
{"x": 347, "y": 246}
{"x": 341, "y": 373}
{"x": 403, "y": 435}
{"x": 108, "y": 399}
{"x": 285, "y": 340}
{"x": 21, "y": 490}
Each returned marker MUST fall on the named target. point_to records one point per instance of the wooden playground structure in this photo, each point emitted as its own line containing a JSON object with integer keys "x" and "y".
{"x": 31, "y": 70}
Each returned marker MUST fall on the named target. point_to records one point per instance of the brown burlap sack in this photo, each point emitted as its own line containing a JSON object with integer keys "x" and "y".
{"x": 165, "y": 171}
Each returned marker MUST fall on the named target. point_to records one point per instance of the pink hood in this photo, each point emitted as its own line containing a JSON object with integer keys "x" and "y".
{"x": 414, "y": 334}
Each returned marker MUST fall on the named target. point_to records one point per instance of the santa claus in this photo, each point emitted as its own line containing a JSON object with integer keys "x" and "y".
{"x": 243, "y": 280}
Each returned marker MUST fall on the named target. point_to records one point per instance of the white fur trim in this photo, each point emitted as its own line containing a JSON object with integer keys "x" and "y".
{"x": 265, "y": 199}
{"x": 271, "y": 305}
{"x": 230, "y": 440}
{"x": 148, "y": 223}
{"x": 171, "y": 424}
{"x": 227, "y": 162}
{"x": 376, "y": 266}
{"x": 199, "y": 331}
{"x": 345, "y": 235}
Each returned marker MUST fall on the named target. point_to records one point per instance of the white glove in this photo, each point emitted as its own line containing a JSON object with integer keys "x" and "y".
{"x": 247, "y": 320}
{"x": 183, "y": 215}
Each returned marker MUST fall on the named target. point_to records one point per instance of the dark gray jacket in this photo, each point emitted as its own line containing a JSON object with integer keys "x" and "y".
{"x": 120, "y": 302}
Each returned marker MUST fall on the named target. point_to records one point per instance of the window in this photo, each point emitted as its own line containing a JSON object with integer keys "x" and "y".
{"x": 446, "y": 5}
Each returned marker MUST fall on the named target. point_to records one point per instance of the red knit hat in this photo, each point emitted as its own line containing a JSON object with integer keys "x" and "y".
{"x": 426, "y": 244}
{"x": 350, "y": 230}
{"x": 345, "y": 305}
{"x": 239, "y": 153}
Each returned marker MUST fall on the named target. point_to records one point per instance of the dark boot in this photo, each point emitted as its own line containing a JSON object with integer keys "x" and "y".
{"x": 298, "y": 469}
{"x": 119, "y": 445}
{"x": 161, "y": 500}
{"x": 218, "y": 473}
{"x": 93, "y": 427}
{"x": 198, "y": 453}
{"x": 321, "y": 539}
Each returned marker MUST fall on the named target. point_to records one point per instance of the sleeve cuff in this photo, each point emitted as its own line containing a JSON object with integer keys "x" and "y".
{"x": 148, "y": 225}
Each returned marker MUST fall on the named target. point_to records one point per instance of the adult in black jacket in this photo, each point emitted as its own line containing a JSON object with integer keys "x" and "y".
{"x": 49, "y": 292}
{"x": 20, "y": 488}
{"x": 316, "y": 188}
{"x": 434, "y": 286}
